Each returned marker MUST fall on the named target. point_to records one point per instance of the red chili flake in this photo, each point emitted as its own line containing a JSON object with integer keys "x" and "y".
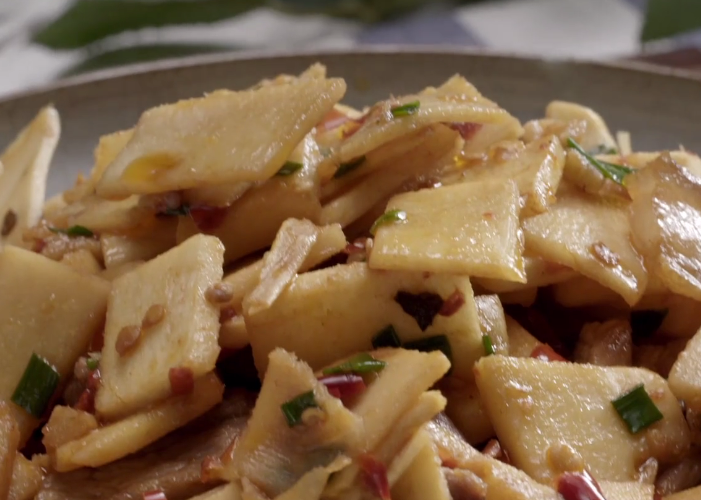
{"x": 94, "y": 380}
{"x": 544, "y": 352}
{"x": 332, "y": 120}
{"x": 182, "y": 381}
{"x": 579, "y": 486}
{"x": 226, "y": 313}
{"x": 344, "y": 385}
{"x": 358, "y": 246}
{"x": 86, "y": 401}
{"x": 207, "y": 219}
{"x": 155, "y": 495}
{"x": 38, "y": 245}
{"x": 450, "y": 463}
{"x": 452, "y": 304}
{"x": 375, "y": 476}
{"x": 467, "y": 130}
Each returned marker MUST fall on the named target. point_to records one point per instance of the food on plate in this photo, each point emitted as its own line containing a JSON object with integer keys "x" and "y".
{"x": 267, "y": 294}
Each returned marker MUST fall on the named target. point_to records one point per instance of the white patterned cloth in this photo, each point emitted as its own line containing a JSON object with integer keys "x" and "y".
{"x": 591, "y": 29}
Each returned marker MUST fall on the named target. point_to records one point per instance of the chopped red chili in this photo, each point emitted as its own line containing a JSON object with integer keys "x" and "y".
{"x": 452, "y": 304}
{"x": 356, "y": 247}
{"x": 208, "y": 219}
{"x": 544, "y": 352}
{"x": 86, "y": 401}
{"x": 155, "y": 495}
{"x": 182, "y": 381}
{"x": 332, "y": 120}
{"x": 467, "y": 130}
{"x": 375, "y": 476}
{"x": 579, "y": 486}
{"x": 343, "y": 385}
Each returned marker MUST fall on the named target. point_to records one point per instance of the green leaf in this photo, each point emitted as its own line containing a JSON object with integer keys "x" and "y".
{"x": 609, "y": 170}
{"x": 88, "y": 21}
{"x": 294, "y": 408}
{"x": 360, "y": 363}
{"x": 488, "y": 345}
{"x": 289, "y": 168}
{"x": 141, "y": 53}
{"x": 180, "y": 211}
{"x": 637, "y": 410}
{"x": 390, "y": 217}
{"x": 666, "y": 18}
{"x": 73, "y": 231}
{"x": 37, "y": 386}
{"x": 387, "y": 337}
{"x": 347, "y": 168}
{"x": 405, "y": 109}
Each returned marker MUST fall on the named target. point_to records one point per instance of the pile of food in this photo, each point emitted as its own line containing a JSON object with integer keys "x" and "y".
{"x": 266, "y": 294}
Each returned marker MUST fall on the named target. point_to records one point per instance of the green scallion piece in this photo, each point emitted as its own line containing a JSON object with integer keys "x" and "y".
{"x": 488, "y": 345}
{"x": 616, "y": 173}
{"x": 182, "y": 210}
{"x": 602, "y": 149}
{"x": 347, "y": 168}
{"x": 289, "y": 168}
{"x": 391, "y": 217}
{"x": 360, "y": 363}
{"x": 93, "y": 360}
{"x": 637, "y": 410}
{"x": 73, "y": 231}
{"x": 435, "y": 343}
{"x": 387, "y": 337}
{"x": 36, "y": 387}
{"x": 294, "y": 408}
{"x": 405, "y": 109}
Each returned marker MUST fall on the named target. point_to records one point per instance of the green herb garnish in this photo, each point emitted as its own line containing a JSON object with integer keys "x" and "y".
{"x": 488, "y": 345}
{"x": 360, "y": 363}
{"x": 637, "y": 410}
{"x": 294, "y": 408}
{"x": 346, "y": 168}
{"x": 73, "y": 231}
{"x": 289, "y": 168}
{"x": 93, "y": 360}
{"x": 36, "y": 387}
{"x": 405, "y": 109}
{"x": 435, "y": 343}
{"x": 611, "y": 171}
{"x": 387, "y": 337}
{"x": 182, "y": 210}
{"x": 388, "y": 218}
{"x": 602, "y": 149}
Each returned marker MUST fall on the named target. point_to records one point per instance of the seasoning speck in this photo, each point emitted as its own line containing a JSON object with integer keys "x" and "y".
{"x": 182, "y": 381}
{"x": 8, "y": 223}
{"x": 221, "y": 293}
{"x": 127, "y": 339}
{"x": 153, "y": 316}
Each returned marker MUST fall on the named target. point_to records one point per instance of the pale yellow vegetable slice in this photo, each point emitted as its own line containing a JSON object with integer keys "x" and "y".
{"x": 117, "y": 440}
{"x": 229, "y": 491}
{"x": 424, "y": 477}
{"x": 685, "y": 376}
{"x": 456, "y": 101}
{"x": 186, "y": 337}
{"x": 595, "y": 242}
{"x": 537, "y": 407}
{"x": 259, "y": 214}
{"x": 118, "y": 250}
{"x": 26, "y": 166}
{"x": 493, "y": 322}
{"x": 291, "y": 248}
{"x": 9, "y": 444}
{"x": 536, "y": 169}
{"x": 665, "y": 217}
{"x": 597, "y": 134}
{"x": 356, "y": 304}
{"x": 26, "y": 479}
{"x": 539, "y": 273}
{"x": 274, "y": 455}
{"x": 469, "y": 228}
{"x": 690, "y": 494}
{"x": 521, "y": 342}
{"x": 608, "y": 343}
{"x": 466, "y": 411}
{"x": 627, "y": 491}
{"x": 82, "y": 261}
{"x": 224, "y": 137}
{"x": 311, "y": 485}
{"x": 48, "y": 309}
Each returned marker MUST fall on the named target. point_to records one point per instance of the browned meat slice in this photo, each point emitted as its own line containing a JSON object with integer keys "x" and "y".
{"x": 172, "y": 464}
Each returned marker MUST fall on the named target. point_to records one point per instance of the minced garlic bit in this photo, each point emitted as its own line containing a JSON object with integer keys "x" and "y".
{"x": 153, "y": 316}
{"x": 221, "y": 293}
{"x": 127, "y": 339}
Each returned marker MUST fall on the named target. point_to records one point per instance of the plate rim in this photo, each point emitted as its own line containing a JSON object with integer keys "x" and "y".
{"x": 99, "y": 76}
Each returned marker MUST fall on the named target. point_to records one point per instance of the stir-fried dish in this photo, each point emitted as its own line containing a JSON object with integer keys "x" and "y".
{"x": 265, "y": 294}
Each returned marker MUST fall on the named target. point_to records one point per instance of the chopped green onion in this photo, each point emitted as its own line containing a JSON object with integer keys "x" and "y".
{"x": 73, "y": 231}
{"x": 37, "y": 386}
{"x": 294, "y": 408}
{"x": 488, "y": 345}
{"x": 347, "y": 168}
{"x": 609, "y": 170}
{"x": 387, "y": 337}
{"x": 637, "y": 410}
{"x": 289, "y": 168}
{"x": 182, "y": 210}
{"x": 93, "y": 361}
{"x": 602, "y": 149}
{"x": 388, "y": 218}
{"x": 361, "y": 363}
{"x": 435, "y": 343}
{"x": 405, "y": 109}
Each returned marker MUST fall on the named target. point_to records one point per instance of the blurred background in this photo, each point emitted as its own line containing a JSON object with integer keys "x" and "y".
{"x": 43, "y": 40}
